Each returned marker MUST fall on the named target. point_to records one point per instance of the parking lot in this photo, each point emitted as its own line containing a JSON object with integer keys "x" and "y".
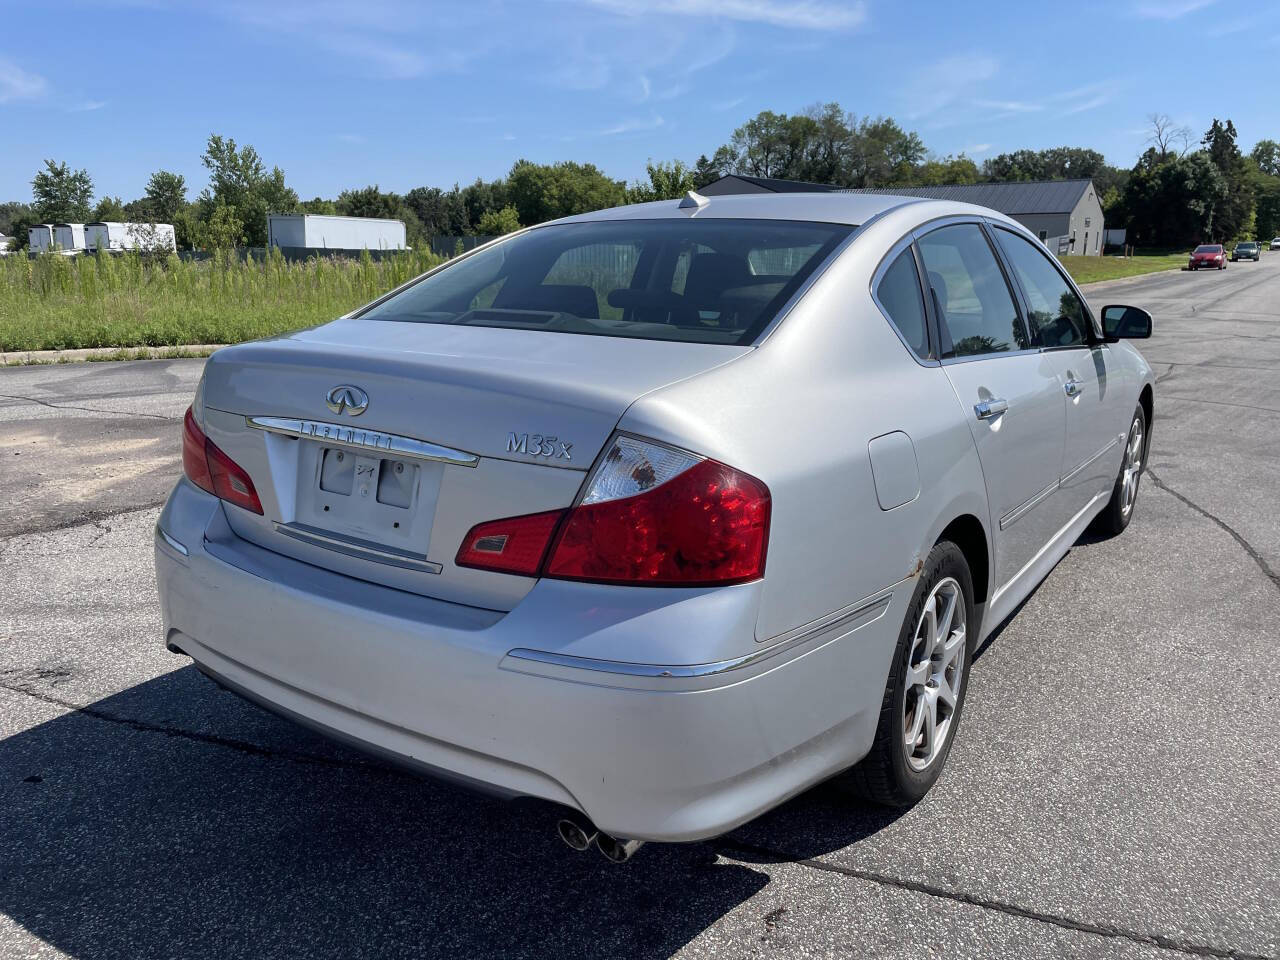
{"x": 1114, "y": 791}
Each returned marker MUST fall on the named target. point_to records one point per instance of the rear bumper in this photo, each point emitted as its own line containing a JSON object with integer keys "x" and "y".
{"x": 435, "y": 685}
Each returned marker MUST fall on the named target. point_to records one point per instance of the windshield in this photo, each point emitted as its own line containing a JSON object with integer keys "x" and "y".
{"x": 704, "y": 281}
{"x": 1209, "y": 248}
{"x": 1244, "y": 246}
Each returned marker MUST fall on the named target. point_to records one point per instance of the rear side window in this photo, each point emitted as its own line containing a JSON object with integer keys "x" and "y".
{"x": 899, "y": 295}
{"x": 703, "y": 281}
{"x": 1055, "y": 314}
{"x": 976, "y": 312}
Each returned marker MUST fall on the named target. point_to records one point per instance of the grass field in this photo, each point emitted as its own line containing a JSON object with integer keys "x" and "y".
{"x": 58, "y": 303}
{"x": 1093, "y": 269}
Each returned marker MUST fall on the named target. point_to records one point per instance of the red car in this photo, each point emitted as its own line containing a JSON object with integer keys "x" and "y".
{"x": 1208, "y": 255}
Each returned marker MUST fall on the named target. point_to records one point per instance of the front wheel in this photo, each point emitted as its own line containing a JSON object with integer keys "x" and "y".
{"x": 924, "y": 695}
{"x": 1116, "y": 515}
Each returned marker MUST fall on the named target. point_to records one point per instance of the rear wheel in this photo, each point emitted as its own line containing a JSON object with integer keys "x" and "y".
{"x": 924, "y": 695}
{"x": 1124, "y": 495}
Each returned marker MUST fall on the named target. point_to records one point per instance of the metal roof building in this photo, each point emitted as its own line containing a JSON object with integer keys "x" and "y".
{"x": 1065, "y": 214}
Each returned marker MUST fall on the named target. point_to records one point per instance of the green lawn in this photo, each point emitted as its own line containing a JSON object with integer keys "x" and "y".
{"x": 1093, "y": 269}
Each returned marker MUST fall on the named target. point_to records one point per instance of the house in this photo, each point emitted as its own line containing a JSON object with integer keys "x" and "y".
{"x": 1065, "y": 214}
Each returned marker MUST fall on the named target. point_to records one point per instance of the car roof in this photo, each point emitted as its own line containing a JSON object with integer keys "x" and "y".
{"x": 849, "y": 208}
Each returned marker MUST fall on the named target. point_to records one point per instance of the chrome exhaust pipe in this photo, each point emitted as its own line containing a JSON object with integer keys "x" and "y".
{"x": 616, "y": 850}
{"x": 576, "y": 835}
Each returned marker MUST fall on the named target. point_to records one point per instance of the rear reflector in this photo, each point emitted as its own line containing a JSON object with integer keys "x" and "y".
{"x": 652, "y": 515}
{"x": 213, "y": 471}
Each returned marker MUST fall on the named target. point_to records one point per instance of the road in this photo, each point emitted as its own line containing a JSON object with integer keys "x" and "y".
{"x": 1113, "y": 792}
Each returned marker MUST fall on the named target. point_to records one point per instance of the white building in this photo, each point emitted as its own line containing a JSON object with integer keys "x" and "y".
{"x": 320, "y": 232}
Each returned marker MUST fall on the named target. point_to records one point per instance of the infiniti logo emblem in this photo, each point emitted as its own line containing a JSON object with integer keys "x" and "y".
{"x": 347, "y": 399}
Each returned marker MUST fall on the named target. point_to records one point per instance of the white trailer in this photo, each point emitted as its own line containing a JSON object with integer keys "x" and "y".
{"x": 115, "y": 236}
{"x": 320, "y": 232}
{"x": 68, "y": 237}
{"x": 40, "y": 237}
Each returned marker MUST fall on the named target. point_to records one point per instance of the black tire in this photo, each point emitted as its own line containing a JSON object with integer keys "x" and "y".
{"x": 1115, "y": 517}
{"x": 885, "y": 775}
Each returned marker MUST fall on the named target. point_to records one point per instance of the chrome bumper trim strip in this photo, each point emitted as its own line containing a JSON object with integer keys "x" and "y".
{"x": 361, "y": 549}
{"x": 341, "y": 435}
{"x": 860, "y": 617}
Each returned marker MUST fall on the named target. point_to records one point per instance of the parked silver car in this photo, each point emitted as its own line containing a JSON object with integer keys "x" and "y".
{"x": 662, "y": 513}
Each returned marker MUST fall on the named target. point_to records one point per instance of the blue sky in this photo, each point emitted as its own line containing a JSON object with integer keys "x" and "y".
{"x": 404, "y": 94}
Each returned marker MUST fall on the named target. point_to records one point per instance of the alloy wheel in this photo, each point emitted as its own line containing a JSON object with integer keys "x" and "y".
{"x": 1132, "y": 468}
{"x": 934, "y": 672}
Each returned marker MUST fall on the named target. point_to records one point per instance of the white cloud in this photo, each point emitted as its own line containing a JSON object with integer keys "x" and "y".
{"x": 18, "y": 84}
{"x": 1089, "y": 104}
{"x": 976, "y": 149}
{"x": 728, "y": 104}
{"x": 1009, "y": 106}
{"x": 1169, "y": 9}
{"x": 86, "y": 106}
{"x": 800, "y": 14}
{"x": 941, "y": 84}
{"x": 632, "y": 126}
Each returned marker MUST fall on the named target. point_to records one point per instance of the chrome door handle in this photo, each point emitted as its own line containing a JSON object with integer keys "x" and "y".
{"x": 989, "y": 409}
{"x": 1073, "y": 387}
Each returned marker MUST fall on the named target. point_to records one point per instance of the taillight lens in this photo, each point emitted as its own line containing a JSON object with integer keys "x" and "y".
{"x": 515, "y": 545}
{"x": 212, "y": 470}
{"x": 653, "y": 515}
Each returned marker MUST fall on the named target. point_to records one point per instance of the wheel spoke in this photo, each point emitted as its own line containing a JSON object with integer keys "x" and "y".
{"x": 917, "y": 674}
{"x": 929, "y": 709}
{"x": 917, "y": 724}
{"x": 948, "y": 614}
{"x": 931, "y": 627}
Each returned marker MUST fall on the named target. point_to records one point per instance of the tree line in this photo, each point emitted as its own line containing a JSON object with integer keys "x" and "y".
{"x": 1179, "y": 192}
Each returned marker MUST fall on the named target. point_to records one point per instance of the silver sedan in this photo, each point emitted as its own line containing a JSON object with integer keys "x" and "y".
{"x": 663, "y": 513}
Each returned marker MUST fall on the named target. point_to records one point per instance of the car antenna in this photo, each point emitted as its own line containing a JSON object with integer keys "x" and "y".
{"x": 693, "y": 199}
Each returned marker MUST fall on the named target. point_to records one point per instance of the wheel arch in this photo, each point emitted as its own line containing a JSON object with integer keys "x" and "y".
{"x": 1146, "y": 399}
{"x": 967, "y": 532}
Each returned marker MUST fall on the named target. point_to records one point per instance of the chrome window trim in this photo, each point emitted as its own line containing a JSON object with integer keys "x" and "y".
{"x": 863, "y": 613}
{"x": 904, "y": 243}
{"x": 365, "y": 441}
{"x": 1095, "y": 327}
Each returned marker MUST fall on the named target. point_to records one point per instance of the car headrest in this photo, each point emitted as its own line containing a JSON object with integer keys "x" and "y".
{"x": 578, "y": 300}
{"x": 711, "y": 274}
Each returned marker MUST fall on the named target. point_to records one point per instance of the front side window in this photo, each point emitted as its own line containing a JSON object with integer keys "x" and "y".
{"x": 1056, "y": 316}
{"x": 703, "y": 281}
{"x": 975, "y": 309}
{"x": 899, "y": 294}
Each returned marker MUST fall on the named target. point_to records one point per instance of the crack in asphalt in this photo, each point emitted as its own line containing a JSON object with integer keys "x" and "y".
{"x": 91, "y": 518}
{"x": 723, "y": 846}
{"x": 72, "y": 406}
{"x": 1112, "y": 931}
{"x": 1248, "y": 548}
{"x": 1217, "y": 403}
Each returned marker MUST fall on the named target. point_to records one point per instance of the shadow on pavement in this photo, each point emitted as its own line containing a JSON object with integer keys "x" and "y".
{"x": 119, "y": 839}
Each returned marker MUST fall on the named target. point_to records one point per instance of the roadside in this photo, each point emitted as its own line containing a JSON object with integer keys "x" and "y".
{"x": 27, "y": 358}
{"x": 1087, "y": 270}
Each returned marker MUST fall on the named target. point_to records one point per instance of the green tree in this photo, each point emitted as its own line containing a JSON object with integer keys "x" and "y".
{"x": 495, "y": 223}
{"x": 542, "y": 192}
{"x": 10, "y": 213}
{"x": 668, "y": 180}
{"x": 441, "y": 213}
{"x": 1234, "y": 213}
{"x": 165, "y": 196}
{"x": 1173, "y": 203}
{"x": 109, "y": 209}
{"x": 946, "y": 170}
{"x": 238, "y": 180}
{"x": 319, "y": 205}
{"x": 221, "y": 230}
{"x": 1266, "y": 154}
{"x": 369, "y": 202}
{"x": 480, "y": 198}
{"x": 60, "y": 194}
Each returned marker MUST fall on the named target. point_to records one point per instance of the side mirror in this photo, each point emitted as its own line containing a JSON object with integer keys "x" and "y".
{"x": 1128, "y": 323}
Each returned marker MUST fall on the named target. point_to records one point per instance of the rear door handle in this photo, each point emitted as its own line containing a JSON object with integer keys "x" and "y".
{"x": 989, "y": 409}
{"x": 1073, "y": 387}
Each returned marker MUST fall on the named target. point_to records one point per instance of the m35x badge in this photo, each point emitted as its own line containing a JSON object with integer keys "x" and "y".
{"x": 538, "y": 445}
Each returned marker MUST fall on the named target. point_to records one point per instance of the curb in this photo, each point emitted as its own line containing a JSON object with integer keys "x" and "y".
{"x": 22, "y": 358}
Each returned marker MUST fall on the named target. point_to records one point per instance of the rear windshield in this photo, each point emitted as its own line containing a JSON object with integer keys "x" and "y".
{"x": 1209, "y": 248}
{"x": 704, "y": 281}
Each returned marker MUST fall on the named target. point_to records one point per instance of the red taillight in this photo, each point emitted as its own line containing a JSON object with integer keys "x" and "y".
{"x": 515, "y": 545}
{"x": 212, "y": 470}
{"x": 695, "y": 522}
{"x": 707, "y": 526}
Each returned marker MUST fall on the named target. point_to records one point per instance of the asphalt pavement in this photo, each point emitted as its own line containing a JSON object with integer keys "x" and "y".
{"x": 1114, "y": 791}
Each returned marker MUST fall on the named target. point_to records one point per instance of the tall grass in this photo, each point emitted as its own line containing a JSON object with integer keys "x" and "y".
{"x": 55, "y": 302}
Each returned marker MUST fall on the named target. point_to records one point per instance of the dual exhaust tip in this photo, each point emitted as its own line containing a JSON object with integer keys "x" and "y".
{"x": 581, "y": 838}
